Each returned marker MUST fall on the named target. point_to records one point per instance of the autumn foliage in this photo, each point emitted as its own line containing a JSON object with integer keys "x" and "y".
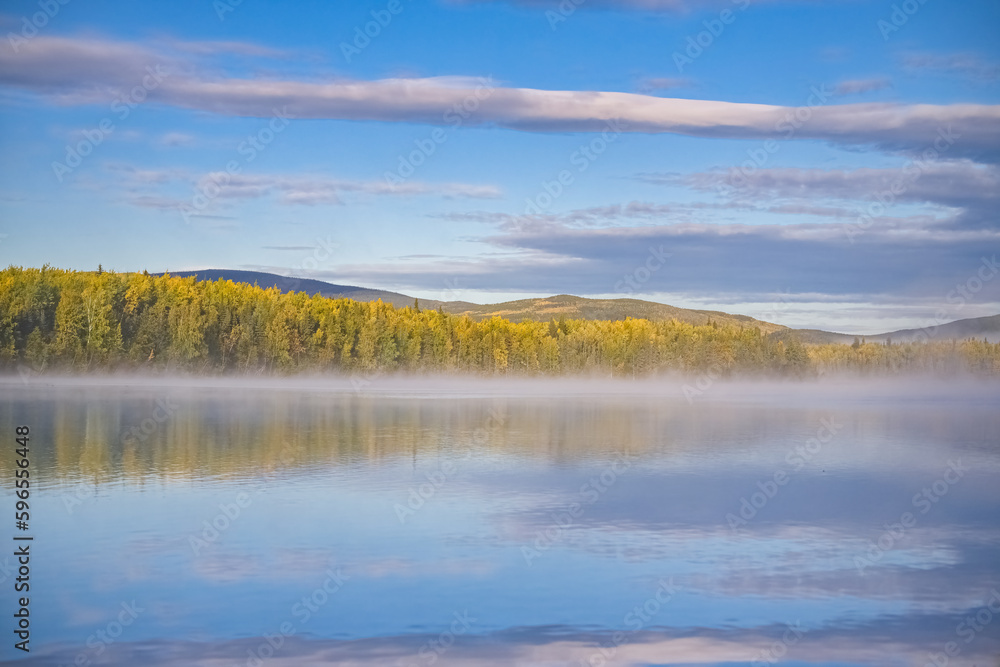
{"x": 52, "y": 319}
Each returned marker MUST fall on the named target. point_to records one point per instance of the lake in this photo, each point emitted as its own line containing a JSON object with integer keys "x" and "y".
{"x": 458, "y": 522}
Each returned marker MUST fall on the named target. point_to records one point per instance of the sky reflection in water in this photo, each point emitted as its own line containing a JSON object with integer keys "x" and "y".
{"x": 545, "y": 524}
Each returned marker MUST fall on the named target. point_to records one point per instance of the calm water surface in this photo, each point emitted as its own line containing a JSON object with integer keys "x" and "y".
{"x": 488, "y": 524}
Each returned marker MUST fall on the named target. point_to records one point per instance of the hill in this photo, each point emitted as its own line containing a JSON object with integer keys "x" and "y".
{"x": 813, "y": 336}
{"x": 63, "y": 320}
{"x": 977, "y": 327}
{"x": 291, "y": 284}
{"x": 580, "y": 308}
{"x": 544, "y": 309}
{"x": 577, "y": 307}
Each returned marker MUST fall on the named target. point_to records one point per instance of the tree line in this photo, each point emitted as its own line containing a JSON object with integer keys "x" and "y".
{"x": 54, "y": 319}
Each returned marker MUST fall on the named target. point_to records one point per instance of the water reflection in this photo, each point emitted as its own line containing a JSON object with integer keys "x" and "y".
{"x": 375, "y": 519}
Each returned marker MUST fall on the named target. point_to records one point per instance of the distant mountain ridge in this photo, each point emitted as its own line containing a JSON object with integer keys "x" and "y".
{"x": 977, "y": 327}
{"x": 544, "y": 309}
{"x": 307, "y": 285}
{"x": 578, "y": 307}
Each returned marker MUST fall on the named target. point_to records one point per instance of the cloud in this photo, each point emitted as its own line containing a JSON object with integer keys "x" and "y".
{"x": 961, "y": 184}
{"x": 408, "y": 568}
{"x": 663, "y": 83}
{"x": 858, "y": 86}
{"x": 76, "y": 70}
{"x": 313, "y": 190}
{"x": 135, "y": 177}
{"x": 910, "y": 637}
{"x": 807, "y": 209}
{"x": 913, "y": 255}
{"x": 72, "y": 71}
{"x": 154, "y": 202}
{"x": 176, "y": 139}
{"x": 585, "y": 217}
{"x": 708, "y": 260}
{"x": 964, "y": 64}
{"x": 144, "y": 188}
{"x": 212, "y": 48}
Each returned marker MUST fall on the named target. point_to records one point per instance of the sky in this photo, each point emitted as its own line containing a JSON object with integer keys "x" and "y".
{"x": 815, "y": 163}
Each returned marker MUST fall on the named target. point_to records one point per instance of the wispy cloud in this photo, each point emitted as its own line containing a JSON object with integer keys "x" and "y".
{"x": 593, "y": 216}
{"x": 146, "y": 188}
{"x": 919, "y": 255}
{"x": 749, "y": 261}
{"x": 212, "y": 48}
{"x": 655, "y": 83}
{"x": 312, "y": 190}
{"x": 70, "y": 71}
{"x": 859, "y": 86}
{"x": 964, "y": 64}
{"x": 960, "y": 184}
{"x": 176, "y": 139}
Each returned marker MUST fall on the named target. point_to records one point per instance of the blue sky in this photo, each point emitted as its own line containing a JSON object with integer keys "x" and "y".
{"x": 741, "y": 173}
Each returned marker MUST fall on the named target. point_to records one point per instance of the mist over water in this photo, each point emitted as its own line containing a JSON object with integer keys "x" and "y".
{"x": 701, "y": 387}
{"x": 461, "y": 521}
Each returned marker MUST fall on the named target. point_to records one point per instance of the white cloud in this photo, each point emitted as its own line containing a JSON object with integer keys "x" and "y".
{"x": 952, "y": 183}
{"x": 80, "y": 71}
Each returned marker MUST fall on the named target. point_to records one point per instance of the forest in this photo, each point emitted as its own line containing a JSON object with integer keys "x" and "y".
{"x": 62, "y": 320}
